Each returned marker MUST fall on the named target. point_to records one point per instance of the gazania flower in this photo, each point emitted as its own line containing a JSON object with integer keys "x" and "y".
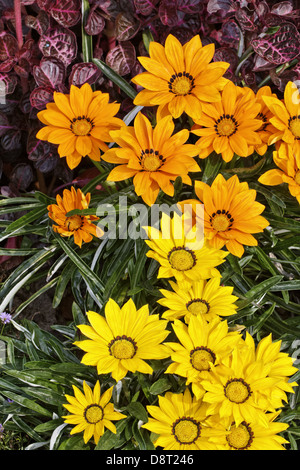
{"x": 248, "y": 436}
{"x": 230, "y": 126}
{"x": 179, "y": 254}
{"x": 231, "y": 213}
{"x": 180, "y": 78}
{"x": 280, "y": 366}
{"x": 91, "y": 412}
{"x": 267, "y": 129}
{"x": 80, "y": 123}
{"x": 153, "y": 157}
{"x": 123, "y": 340}
{"x": 201, "y": 298}
{"x": 179, "y": 420}
{"x": 201, "y": 345}
{"x": 81, "y": 227}
{"x": 239, "y": 393}
{"x": 286, "y": 118}
{"x": 288, "y": 170}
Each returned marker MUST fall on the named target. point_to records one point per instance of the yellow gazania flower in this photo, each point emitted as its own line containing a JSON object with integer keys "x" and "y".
{"x": 201, "y": 298}
{"x": 201, "y": 345}
{"x": 248, "y": 436}
{"x": 267, "y": 129}
{"x": 80, "y": 123}
{"x": 286, "y": 118}
{"x": 153, "y": 157}
{"x": 280, "y": 366}
{"x": 123, "y": 340}
{"x": 239, "y": 393}
{"x": 91, "y": 412}
{"x": 180, "y": 78}
{"x": 179, "y": 254}
{"x": 179, "y": 420}
{"x": 288, "y": 170}
{"x": 81, "y": 227}
{"x": 231, "y": 213}
{"x": 229, "y": 126}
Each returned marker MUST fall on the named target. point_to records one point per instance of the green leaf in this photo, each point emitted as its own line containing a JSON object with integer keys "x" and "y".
{"x": 160, "y": 386}
{"x": 138, "y": 411}
{"x": 89, "y": 276}
{"x": 27, "y": 403}
{"x": 257, "y": 292}
{"x": 116, "y": 78}
{"x": 26, "y": 219}
{"x": 109, "y": 440}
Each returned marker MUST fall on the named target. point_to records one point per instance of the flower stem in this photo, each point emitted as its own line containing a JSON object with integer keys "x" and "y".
{"x": 18, "y": 20}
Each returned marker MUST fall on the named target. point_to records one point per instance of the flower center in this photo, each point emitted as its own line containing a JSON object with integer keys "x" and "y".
{"x": 226, "y": 125}
{"x": 221, "y": 220}
{"x": 237, "y": 390}
{"x": 151, "y": 160}
{"x": 81, "y": 125}
{"x": 181, "y": 258}
{"x": 297, "y": 177}
{"x": 264, "y": 119}
{"x": 197, "y": 306}
{"x": 201, "y": 357}
{"x": 93, "y": 414}
{"x": 240, "y": 437}
{"x": 122, "y": 347}
{"x": 186, "y": 430}
{"x": 181, "y": 83}
{"x": 294, "y": 125}
{"x": 74, "y": 222}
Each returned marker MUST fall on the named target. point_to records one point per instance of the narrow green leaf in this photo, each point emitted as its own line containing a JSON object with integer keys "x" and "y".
{"x": 256, "y": 292}
{"x": 22, "y": 221}
{"x": 89, "y": 276}
{"x": 116, "y": 78}
{"x": 27, "y": 403}
{"x": 137, "y": 410}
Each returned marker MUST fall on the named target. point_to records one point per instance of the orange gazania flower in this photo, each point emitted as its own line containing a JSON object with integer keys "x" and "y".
{"x": 80, "y": 123}
{"x": 180, "y": 78}
{"x": 267, "y": 129}
{"x": 286, "y": 118}
{"x": 288, "y": 170}
{"x": 81, "y": 227}
{"x": 231, "y": 213}
{"x": 153, "y": 157}
{"x": 229, "y": 126}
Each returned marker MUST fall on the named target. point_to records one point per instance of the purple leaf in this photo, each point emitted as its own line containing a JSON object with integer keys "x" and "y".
{"x": 22, "y": 176}
{"x": 190, "y": 7}
{"x": 84, "y": 72}
{"x": 50, "y": 73}
{"x": 8, "y": 46}
{"x": 122, "y": 58}
{"x": 222, "y": 6}
{"x": 230, "y": 32}
{"x": 7, "y": 65}
{"x": 67, "y": 13}
{"x": 145, "y": 7}
{"x": 4, "y": 124}
{"x": 10, "y": 82}
{"x": 246, "y": 22}
{"x": 43, "y": 154}
{"x": 40, "y": 96}
{"x": 95, "y": 22}
{"x": 227, "y": 54}
{"x": 40, "y": 22}
{"x": 126, "y": 26}
{"x": 280, "y": 47}
{"x": 11, "y": 140}
{"x": 282, "y": 8}
{"x": 168, "y": 13}
{"x": 59, "y": 42}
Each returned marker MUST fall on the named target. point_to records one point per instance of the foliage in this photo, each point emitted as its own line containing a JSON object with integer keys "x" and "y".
{"x": 98, "y": 42}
